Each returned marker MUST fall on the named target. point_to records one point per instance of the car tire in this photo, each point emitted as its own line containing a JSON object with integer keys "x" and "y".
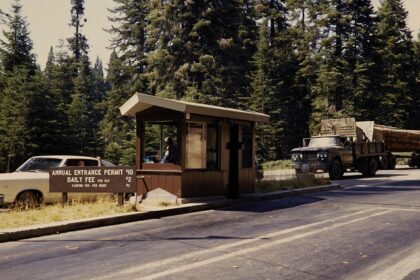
{"x": 27, "y": 200}
{"x": 335, "y": 171}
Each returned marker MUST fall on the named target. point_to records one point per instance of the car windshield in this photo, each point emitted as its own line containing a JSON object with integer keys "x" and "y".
{"x": 39, "y": 164}
{"x": 323, "y": 142}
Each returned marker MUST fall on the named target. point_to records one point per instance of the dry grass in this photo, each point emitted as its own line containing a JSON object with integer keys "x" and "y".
{"x": 164, "y": 203}
{"x": 105, "y": 205}
{"x": 277, "y": 165}
{"x": 289, "y": 184}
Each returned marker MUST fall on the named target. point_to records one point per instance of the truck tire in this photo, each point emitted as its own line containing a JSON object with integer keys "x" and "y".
{"x": 384, "y": 162}
{"x": 335, "y": 171}
{"x": 392, "y": 162}
{"x": 371, "y": 167}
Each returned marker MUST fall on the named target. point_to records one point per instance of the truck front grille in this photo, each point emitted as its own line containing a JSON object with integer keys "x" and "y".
{"x": 309, "y": 157}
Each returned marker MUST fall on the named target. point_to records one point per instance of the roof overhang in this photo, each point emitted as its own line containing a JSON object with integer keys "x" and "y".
{"x": 140, "y": 102}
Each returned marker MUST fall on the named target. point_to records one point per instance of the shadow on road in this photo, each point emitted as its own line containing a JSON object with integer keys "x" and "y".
{"x": 360, "y": 176}
{"x": 272, "y": 205}
{"x": 370, "y": 191}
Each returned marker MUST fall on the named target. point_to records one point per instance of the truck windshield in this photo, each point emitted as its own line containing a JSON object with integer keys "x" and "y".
{"x": 39, "y": 164}
{"x": 323, "y": 141}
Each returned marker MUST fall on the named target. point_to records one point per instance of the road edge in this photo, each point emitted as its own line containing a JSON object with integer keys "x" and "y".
{"x": 68, "y": 226}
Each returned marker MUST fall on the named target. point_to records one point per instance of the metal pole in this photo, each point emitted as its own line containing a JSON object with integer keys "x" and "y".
{"x": 161, "y": 141}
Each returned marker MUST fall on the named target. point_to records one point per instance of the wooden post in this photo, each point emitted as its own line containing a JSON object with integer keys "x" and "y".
{"x": 64, "y": 198}
{"x": 140, "y": 142}
{"x": 120, "y": 199}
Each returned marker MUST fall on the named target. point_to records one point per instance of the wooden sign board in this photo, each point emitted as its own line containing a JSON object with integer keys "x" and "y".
{"x": 344, "y": 127}
{"x": 115, "y": 179}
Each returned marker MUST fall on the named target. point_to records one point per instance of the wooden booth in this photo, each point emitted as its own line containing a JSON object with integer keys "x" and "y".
{"x": 214, "y": 147}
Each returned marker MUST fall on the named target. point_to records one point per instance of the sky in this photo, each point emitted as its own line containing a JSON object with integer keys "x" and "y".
{"x": 49, "y": 23}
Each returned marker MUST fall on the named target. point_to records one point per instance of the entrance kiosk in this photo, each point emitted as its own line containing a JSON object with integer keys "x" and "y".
{"x": 215, "y": 147}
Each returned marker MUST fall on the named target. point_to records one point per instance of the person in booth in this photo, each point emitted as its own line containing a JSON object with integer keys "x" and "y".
{"x": 170, "y": 153}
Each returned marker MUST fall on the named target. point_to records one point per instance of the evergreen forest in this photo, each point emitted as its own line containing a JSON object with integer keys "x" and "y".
{"x": 296, "y": 60}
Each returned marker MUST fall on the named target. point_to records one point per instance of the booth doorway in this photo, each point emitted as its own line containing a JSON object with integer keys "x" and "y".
{"x": 234, "y": 147}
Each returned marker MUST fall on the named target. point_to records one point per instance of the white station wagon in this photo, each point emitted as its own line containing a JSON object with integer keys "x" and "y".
{"x": 29, "y": 184}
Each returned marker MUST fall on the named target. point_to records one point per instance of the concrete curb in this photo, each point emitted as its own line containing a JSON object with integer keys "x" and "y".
{"x": 67, "y": 226}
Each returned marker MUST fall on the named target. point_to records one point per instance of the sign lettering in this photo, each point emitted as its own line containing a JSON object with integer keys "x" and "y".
{"x": 115, "y": 179}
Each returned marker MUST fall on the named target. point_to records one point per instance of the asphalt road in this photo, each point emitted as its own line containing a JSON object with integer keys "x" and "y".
{"x": 368, "y": 230}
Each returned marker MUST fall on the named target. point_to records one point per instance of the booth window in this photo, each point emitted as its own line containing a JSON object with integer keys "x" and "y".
{"x": 196, "y": 146}
{"x": 154, "y": 140}
{"x": 202, "y": 151}
{"x": 247, "y": 147}
{"x": 212, "y": 152}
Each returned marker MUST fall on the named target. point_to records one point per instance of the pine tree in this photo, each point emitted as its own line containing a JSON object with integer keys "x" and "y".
{"x": 14, "y": 129}
{"x": 16, "y": 48}
{"x": 78, "y": 43}
{"x": 100, "y": 85}
{"x": 414, "y": 117}
{"x": 263, "y": 91}
{"x": 333, "y": 79}
{"x": 361, "y": 53}
{"x": 340, "y": 49}
{"x": 58, "y": 84}
{"x": 198, "y": 51}
{"x": 84, "y": 112}
{"x": 43, "y": 125}
{"x": 397, "y": 55}
{"x": 274, "y": 94}
{"x": 129, "y": 39}
{"x": 307, "y": 18}
{"x": 117, "y": 132}
{"x": 18, "y": 92}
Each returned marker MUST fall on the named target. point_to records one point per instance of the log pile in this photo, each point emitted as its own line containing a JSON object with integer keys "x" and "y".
{"x": 397, "y": 140}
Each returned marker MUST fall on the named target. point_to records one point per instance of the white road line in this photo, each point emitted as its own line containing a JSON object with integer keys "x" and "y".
{"x": 400, "y": 209}
{"x": 168, "y": 261}
{"x": 257, "y": 248}
{"x": 396, "y": 266}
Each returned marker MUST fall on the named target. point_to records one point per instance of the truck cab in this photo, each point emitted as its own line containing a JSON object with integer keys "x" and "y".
{"x": 327, "y": 153}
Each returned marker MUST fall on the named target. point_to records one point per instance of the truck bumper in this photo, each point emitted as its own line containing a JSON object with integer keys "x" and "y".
{"x": 311, "y": 166}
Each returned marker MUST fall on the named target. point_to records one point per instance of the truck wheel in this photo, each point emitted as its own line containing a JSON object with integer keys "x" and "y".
{"x": 384, "y": 162}
{"x": 373, "y": 166}
{"x": 392, "y": 162}
{"x": 335, "y": 171}
{"x": 27, "y": 200}
{"x": 370, "y": 168}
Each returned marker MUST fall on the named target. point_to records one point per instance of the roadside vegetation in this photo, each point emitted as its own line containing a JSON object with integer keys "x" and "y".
{"x": 105, "y": 205}
{"x": 277, "y": 165}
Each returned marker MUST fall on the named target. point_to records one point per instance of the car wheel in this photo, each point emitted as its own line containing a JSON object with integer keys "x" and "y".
{"x": 335, "y": 171}
{"x": 27, "y": 200}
